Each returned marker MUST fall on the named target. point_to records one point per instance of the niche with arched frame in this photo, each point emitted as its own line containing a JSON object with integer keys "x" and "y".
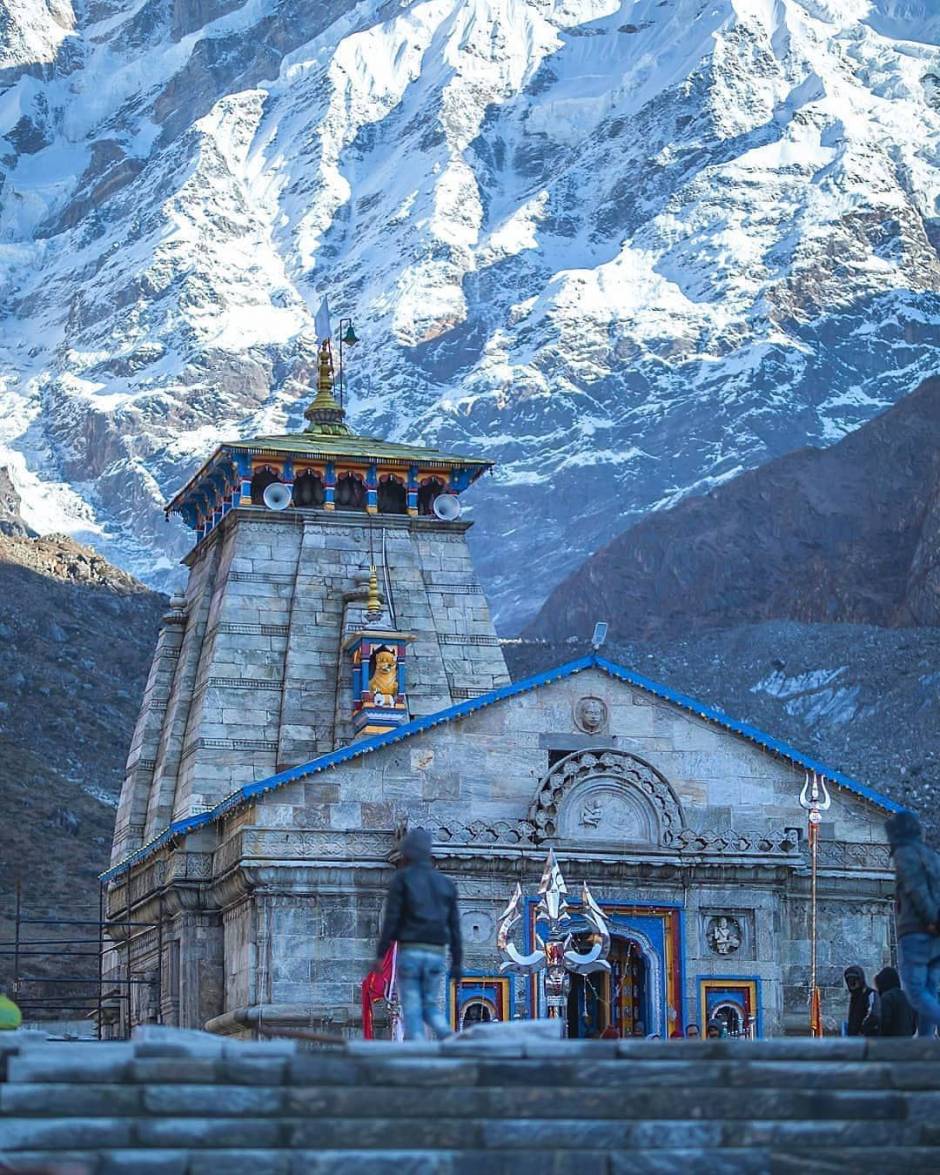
{"x": 263, "y": 477}
{"x": 308, "y": 489}
{"x": 350, "y": 492}
{"x": 393, "y": 497}
{"x": 428, "y": 490}
{"x": 606, "y": 795}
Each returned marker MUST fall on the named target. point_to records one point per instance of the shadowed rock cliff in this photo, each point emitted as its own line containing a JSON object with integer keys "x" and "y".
{"x": 76, "y": 639}
{"x": 847, "y": 534}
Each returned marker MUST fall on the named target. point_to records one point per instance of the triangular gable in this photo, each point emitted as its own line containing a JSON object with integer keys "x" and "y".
{"x": 418, "y": 725}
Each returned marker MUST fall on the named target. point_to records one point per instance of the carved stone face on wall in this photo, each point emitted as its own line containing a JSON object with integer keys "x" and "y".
{"x": 590, "y": 714}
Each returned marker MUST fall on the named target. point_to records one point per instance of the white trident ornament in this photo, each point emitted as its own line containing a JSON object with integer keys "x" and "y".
{"x": 814, "y": 798}
{"x": 554, "y": 957}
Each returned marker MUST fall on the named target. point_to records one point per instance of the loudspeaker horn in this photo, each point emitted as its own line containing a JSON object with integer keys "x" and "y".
{"x": 447, "y": 507}
{"x": 277, "y": 496}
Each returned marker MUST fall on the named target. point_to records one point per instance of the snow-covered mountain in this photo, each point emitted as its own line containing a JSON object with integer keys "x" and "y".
{"x": 627, "y": 248}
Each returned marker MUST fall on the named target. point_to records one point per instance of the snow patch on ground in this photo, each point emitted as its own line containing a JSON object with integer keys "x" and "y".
{"x": 812, "y": 696}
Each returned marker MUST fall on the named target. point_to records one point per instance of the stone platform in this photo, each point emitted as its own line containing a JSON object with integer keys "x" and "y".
{"x": 175, "y": 1102}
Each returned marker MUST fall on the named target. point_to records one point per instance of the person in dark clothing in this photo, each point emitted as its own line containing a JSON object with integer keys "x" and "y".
{"x": 421, "y": 916}
{"x": 917, "y": 916}
{"x": 897, "y": 1015}
{"x": 864, "y": 1004}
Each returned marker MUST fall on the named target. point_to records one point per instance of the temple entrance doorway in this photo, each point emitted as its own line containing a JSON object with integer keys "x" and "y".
{"x": 615, "y": 1003}
{"x": 476, "y": 1012}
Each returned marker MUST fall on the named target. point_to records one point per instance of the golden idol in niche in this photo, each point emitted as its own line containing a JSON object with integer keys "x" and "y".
{"x": 384, "y": 680}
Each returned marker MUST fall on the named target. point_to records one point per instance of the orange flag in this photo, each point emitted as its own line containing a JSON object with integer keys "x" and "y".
{"x": 815, "y": 1015}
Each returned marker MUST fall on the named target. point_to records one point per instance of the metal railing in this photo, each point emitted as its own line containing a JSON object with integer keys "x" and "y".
{"x": 91, "y": 991}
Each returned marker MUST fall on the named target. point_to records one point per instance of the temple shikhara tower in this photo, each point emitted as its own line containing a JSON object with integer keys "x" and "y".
{"x": 331, "y": 675}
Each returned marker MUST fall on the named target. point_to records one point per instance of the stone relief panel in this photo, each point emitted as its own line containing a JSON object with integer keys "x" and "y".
{"x": 771, "y": 842}
{"x": 273, "y": 843}
{"x": 841, "y": 854}
{"x": 482, "y": 832}
{"x": 602, "y": 809}
{"x": 477, "y": 927}
{"x": 723, "y": 934}
{"x": 727, "y": 934}
{"x": 606, "y": 795}
{"x": 590, "y": 714}
{"x": 850, "y": 908}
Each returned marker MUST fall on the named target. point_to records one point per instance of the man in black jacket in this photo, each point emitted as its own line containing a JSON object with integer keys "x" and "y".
{"x": 864, "y": 1005}
{"x": 917, "y": 915}
{"x": 897, "y": 1015}
{"x": 421, "y": 916}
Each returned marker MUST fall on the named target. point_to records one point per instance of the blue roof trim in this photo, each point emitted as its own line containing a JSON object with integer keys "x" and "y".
{"x": 181, "y": 828}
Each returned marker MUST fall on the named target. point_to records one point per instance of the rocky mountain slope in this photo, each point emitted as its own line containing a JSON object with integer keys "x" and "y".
{"x": 629, "y": 248}
{"x": 845, "y": 534}
{"x": 11, "y": 521}
{"x": 76, "y": 638}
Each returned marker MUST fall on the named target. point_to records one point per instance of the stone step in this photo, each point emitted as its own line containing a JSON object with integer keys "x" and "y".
{"x": 188, "y": 1102}
{"x": 235, "y": 1101}
{"x": 168, "y": 1043}
{"x": 589, "y": 1161}
{"x": 450, "y": 1133}
{"x": 86, "y": 1066}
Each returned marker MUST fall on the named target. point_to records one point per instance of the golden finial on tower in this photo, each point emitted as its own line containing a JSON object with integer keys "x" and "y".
{"x": 325, "y": 415}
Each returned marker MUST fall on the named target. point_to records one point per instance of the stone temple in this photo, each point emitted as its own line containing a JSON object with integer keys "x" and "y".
{"x": 332, "y": 675}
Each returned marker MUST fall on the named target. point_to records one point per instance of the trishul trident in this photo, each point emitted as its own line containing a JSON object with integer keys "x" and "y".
{"x": 554, "y": 955}
{"x": 815, "y": 799}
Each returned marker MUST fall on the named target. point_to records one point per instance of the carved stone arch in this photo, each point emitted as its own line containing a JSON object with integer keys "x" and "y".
{"x": 606, "y": 795}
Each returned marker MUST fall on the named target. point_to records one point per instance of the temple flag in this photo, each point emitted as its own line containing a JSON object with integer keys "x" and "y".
{"x": 378, "y": 985}
{"x": 816, "y": 1025}
{"x": 322, "y": 322}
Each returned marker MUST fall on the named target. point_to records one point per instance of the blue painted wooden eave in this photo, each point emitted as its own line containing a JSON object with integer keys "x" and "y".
{"x": 180, "y": 828}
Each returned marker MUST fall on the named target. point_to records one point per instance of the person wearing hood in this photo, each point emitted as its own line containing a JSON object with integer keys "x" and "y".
{"x": 864, "y": 1005}
{"x": 897, "y": 1015}
{"x": 421, "y": 915}
{"x": 917, "y": 915}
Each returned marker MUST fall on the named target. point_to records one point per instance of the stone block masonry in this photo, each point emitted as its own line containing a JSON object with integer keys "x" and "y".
{"x": 174, "y": 1101}
{"x": 251, "y": 661}
{"x": 687, "y": 828}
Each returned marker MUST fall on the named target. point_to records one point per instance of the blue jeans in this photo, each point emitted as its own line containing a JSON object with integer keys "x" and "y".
{"x": 919, "y": 964}
{"x": 419, "y": 979}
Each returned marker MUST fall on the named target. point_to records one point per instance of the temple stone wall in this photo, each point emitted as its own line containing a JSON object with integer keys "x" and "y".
{"x": 250, "y": 676}
{"x": 487, "y": 767}
{"x": 306, "y": 953}
{"x": 669, "y": 816}
{"x": 173, "y": 730}
{"x": 241, "y": 947}
{"x": 142, "y": 757}
{"x": 473, "y": 781}
{"x": 297, "y": 878}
